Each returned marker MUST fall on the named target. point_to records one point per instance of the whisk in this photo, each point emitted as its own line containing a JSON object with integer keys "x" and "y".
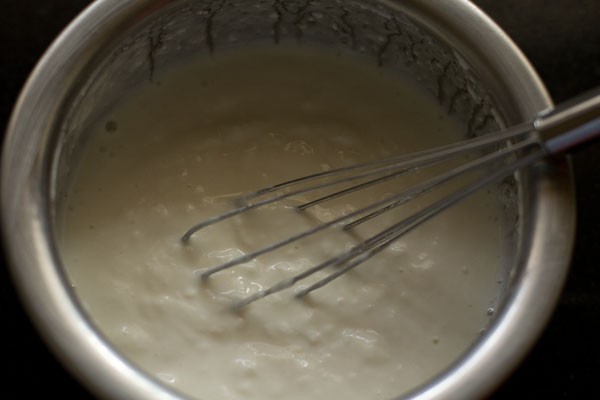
{"x": 554, "y": 131}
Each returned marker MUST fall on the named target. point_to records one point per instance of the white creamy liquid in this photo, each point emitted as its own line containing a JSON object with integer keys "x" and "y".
{"x": 174, "y": 153}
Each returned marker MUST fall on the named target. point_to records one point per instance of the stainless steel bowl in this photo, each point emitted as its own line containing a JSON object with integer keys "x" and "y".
{"x": 450, "y": 47}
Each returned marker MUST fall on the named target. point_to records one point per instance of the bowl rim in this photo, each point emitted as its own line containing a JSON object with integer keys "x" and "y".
{"x": 73, "y": 339}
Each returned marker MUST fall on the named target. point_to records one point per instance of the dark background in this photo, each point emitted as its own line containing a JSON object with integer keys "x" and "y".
{"x": 562, "y": 40}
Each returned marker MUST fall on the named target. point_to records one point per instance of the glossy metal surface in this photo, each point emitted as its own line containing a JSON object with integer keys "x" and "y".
{"x": 26, "y": 193}
{"x": 580, "y": 116}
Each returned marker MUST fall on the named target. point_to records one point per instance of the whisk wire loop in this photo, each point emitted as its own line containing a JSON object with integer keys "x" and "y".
{"x": 401, "y": 164}
{"x": 379, "y": 206}
{"x": 374, "y": 245}
{"x": 554, "y": 131}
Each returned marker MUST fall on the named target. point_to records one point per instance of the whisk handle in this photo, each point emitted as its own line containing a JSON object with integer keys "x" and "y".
{"x": 570, "y": 124}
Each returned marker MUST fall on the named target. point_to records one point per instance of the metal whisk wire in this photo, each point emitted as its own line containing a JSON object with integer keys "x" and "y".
{"x": 555, "y": 131}
{"x": 396, "y": 165}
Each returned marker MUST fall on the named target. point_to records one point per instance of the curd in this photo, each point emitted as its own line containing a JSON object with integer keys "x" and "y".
{"x": 180, "y": 148}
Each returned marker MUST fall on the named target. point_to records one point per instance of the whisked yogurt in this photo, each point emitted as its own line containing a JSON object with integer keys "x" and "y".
{"x": 182, "y": 147}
